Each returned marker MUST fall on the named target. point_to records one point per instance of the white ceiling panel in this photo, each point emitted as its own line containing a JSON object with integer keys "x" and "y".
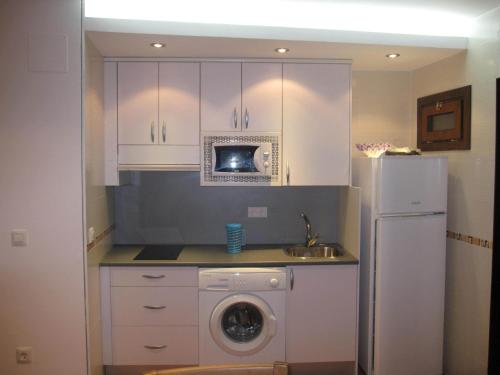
{"x": 364, "y": 56}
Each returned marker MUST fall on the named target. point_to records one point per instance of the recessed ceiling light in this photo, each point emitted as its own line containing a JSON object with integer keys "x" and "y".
{"x": 157, "y": 45}
{"x": 282, "y": 50}
{"x": 392, "y": 55}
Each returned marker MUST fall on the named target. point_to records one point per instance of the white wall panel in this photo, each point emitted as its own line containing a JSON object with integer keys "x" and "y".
{"x": 470, "y": 196}
{"x": 41, "y": 285}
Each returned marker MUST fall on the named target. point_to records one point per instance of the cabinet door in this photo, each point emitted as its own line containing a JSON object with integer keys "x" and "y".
{"x": 137, "y": 103}
{"x": 316, "y": 124}
{"x": 179, "y": 101}
{"x": 321, "y": 314}
{"x": 220, "y": 96}
{"x": 262, "y": 97}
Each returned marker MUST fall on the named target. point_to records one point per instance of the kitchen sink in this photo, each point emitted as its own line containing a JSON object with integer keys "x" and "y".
{"x": 319, "y": 251}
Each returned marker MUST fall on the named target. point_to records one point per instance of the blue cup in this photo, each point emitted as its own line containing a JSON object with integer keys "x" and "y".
{"x": 234, "y": 235}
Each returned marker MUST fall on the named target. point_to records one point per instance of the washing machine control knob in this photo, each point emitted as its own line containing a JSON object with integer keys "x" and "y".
{"x": 274, "y": 283}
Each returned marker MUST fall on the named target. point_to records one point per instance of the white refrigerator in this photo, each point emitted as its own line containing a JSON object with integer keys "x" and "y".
{"x": 402, "y": 263}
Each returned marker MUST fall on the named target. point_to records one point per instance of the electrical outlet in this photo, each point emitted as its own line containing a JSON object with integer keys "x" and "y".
{"x": 260, "y": 212}
{"x": 23, "y": 354}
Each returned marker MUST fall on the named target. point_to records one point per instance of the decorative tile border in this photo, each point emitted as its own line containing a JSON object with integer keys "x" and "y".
{"x": 469, "y": 239}
{"x": 100, "y": 237}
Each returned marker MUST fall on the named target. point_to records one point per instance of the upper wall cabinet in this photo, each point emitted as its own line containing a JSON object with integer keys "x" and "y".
{"x": 179, "y": 101}
{"x": 158, "y": 114}
{"x": 137, "y": 103}
{"x": 241, "y": 97}
{"x": 154, "y": 112}
{"x": 316, "y": 124}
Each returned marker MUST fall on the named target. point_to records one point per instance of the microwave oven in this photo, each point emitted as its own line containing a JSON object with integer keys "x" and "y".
{"x": 252, "y": 159}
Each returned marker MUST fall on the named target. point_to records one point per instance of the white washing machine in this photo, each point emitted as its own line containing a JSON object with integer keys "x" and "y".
{"x": 241, "y": 315}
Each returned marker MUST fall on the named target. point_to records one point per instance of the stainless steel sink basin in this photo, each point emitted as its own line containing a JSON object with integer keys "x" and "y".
{"x": 319, "y": 251}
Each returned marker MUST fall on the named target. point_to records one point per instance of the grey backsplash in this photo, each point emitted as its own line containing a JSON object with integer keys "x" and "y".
{"x": 172, "y": 207}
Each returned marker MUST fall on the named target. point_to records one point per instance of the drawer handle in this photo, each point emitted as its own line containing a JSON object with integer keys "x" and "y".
{"x": 154, "y": 307}
{"x": 155, "y": 347}
{"x": 153, "y": 276}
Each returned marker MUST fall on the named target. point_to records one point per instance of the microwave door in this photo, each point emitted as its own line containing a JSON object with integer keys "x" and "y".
{"x": 234, "y": 160}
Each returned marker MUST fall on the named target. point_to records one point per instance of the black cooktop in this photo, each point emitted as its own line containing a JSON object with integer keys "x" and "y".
{"x": 159, "y": 252}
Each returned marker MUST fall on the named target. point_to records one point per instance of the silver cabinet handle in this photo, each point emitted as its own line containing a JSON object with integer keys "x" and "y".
{"x": 292, "y": 279}
{"x": 164, "y": 132}
{"x": 235, "y": 118}
{"x": 155, "y": 347}
{"x": 287, "y": 173}
{"x": 153, "y": 276}
{"x": 154, "y": 307}
{"x": 152, "y": 132}
{"x": 247, "y": 118}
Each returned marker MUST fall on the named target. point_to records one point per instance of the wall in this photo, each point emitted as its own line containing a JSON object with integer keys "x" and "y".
{"x": 41, "y": 285}
{"x": 470, "y": 201}
{"x": 98, "y": 198}
{"x": 381, "y": 113}
{"x": 172, "y": 207}
{"x": 381, "y": 108}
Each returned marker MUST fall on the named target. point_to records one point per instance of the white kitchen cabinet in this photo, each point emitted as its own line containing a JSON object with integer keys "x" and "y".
{"x": 149, "y": 315}
{"x": 158, "y": 115}
{"x": 239, "y": 97}
{"x": 321, "y": 314}
{"x": 162, "y": 106}
{"x": 262, "y": 97}
{"x": 179, "y": 103}
{"x": 137, "y": 103}
{"x": 316, "y": 124}
{"x": 220, "y": 96}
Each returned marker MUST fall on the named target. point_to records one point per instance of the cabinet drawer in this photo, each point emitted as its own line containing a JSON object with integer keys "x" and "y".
{"x": 154, "y": 306}
{"x": 154, "y": 276}
{"x": 179, "y": 345}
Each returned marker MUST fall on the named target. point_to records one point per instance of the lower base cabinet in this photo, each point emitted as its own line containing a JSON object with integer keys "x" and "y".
{"x": 321, "y": 314}
{"x": 150, "y": 316}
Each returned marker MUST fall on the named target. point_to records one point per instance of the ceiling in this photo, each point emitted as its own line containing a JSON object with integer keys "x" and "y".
{"x": 132, "y": 38}
{"x": 364, "y": 56}
{"x": 471, "y": 8}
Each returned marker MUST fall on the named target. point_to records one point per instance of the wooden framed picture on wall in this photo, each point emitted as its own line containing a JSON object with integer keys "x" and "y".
{"x": 444, "y": 120}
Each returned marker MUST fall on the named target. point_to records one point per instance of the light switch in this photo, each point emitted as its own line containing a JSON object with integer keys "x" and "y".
{"x": 19, "y": 237}
{"x": 91, "y": 235}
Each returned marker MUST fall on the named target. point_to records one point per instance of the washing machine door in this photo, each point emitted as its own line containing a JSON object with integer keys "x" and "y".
{"x": 242, "y": 324}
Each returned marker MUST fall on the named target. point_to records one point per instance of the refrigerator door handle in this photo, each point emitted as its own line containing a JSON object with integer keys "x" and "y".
{"x": 403, "y": 214}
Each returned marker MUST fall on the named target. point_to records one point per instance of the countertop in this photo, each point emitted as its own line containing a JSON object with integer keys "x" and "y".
{"x": 216, "y": 256}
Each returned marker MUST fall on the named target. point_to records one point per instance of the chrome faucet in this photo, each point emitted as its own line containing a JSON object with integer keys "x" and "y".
{"x": 310, "y": 239}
